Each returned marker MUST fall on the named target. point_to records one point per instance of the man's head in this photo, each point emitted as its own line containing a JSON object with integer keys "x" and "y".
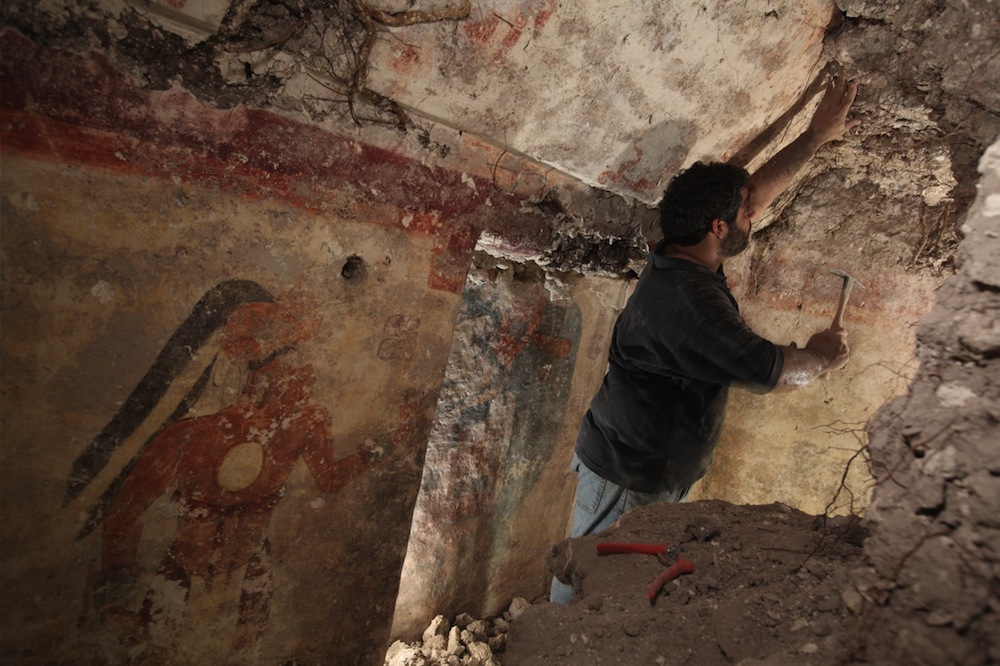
{"x": 698, "y": 196}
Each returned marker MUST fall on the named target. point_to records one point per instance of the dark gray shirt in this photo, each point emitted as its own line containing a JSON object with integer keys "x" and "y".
{"x": 676, "y": 348}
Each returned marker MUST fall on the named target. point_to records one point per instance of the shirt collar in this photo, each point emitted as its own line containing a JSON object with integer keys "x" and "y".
{"x": 673, "y": 263}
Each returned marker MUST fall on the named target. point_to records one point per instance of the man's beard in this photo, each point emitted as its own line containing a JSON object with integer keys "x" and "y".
{"x": 735, "y": 242}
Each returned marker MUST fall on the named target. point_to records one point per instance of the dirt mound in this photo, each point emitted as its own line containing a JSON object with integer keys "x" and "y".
{"x": 770, "y": 583}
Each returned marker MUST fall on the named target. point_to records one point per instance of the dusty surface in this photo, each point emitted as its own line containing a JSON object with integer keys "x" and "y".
{"x": 886, "y": 204}
{"x": 230, "y": 137}
{"x": 775, "y": 586}
{"x": 768, "y": 581}
{"x": 934, "y": 580}
{"x": 620, "y": 95}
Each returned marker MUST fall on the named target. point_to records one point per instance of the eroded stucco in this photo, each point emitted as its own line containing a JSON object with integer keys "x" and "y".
{"x": 183, "y": 537}
{"x": 149, "y": 168}
{"x": 620, "y": 96}
{"x": 523, "y": 363}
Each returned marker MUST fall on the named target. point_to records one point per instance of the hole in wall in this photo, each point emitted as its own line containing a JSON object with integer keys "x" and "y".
{"x": 354, "y": 269}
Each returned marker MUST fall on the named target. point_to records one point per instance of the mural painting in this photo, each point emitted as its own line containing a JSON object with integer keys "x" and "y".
{"x": 524, "y": 347}
{"x": 227, "y": 470}
{"x": 501, "y": 407}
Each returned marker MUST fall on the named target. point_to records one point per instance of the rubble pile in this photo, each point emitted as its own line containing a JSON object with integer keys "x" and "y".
{"x": 464, "y": 642}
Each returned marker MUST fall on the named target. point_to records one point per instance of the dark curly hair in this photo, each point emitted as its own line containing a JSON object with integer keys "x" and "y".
{"x": 696, "y": 196}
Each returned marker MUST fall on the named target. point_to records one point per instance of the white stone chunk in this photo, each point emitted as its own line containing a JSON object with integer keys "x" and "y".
{"x": 395, "y": 649}
{"x": 438, "y": 627}
{"x": 409, "y": 656}
{"x": 518, "y": 606}
{"x": 480, "y": 654}
{"x": 478, "y": 629}
{"x": 455, "y": 646}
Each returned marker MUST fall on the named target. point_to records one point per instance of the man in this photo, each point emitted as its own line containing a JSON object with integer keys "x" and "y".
{"x": 680, "y": 342}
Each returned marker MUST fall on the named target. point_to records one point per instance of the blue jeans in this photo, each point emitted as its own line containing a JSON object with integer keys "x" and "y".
{"x": 599, "y": 503}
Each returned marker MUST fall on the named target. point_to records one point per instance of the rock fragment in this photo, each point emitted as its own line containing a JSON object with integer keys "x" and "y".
{"x": 466, "y": 641}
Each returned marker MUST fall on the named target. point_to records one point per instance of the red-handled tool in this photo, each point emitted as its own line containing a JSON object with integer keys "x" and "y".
{"x": 678, "y": 568}
{"x": 642, "y": 548}
{"x": 662, "y": 552}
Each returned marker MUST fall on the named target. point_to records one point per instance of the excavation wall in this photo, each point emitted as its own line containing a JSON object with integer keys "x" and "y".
{"x": 288, "y": 367}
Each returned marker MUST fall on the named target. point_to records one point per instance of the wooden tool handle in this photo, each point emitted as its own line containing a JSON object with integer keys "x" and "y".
{"x": 838, "y": 319}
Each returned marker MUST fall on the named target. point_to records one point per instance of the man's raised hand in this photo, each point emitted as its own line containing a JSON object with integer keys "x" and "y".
{"x": 830, "y": 121}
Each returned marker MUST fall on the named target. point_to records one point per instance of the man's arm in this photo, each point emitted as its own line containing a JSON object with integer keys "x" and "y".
{"x": 829, "y": 122}
{"x": 826, "y": 351}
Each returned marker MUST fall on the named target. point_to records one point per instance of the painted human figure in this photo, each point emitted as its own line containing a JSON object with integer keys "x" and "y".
{"x": 229, "y": 470}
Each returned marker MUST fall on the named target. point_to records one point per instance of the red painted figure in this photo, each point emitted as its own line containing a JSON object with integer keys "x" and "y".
{"x": 230, "y": 470}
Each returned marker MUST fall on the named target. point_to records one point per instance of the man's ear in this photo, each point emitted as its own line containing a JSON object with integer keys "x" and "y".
{"x": 719, "y": 228}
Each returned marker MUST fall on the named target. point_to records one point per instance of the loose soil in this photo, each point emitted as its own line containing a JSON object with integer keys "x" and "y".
{"x": 770, "y": 585}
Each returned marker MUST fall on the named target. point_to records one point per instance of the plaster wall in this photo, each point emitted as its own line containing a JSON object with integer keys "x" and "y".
{"x": 102, "y": 273}
{"x": 224, "y": 334}
{"x": 808, "y": 448}
{"x": 177, "y": 539}
{"x": 137, "y": 180}
{"x": 619, "y": 95}
{"x": 497, "y": 488}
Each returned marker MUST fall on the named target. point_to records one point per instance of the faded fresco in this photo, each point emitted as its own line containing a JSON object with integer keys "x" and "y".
{"x": 224, "y": 335}
{"x": 196, "y": 468}
{"x": 502, "y": 406}
{"x": 224, "y": 457}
